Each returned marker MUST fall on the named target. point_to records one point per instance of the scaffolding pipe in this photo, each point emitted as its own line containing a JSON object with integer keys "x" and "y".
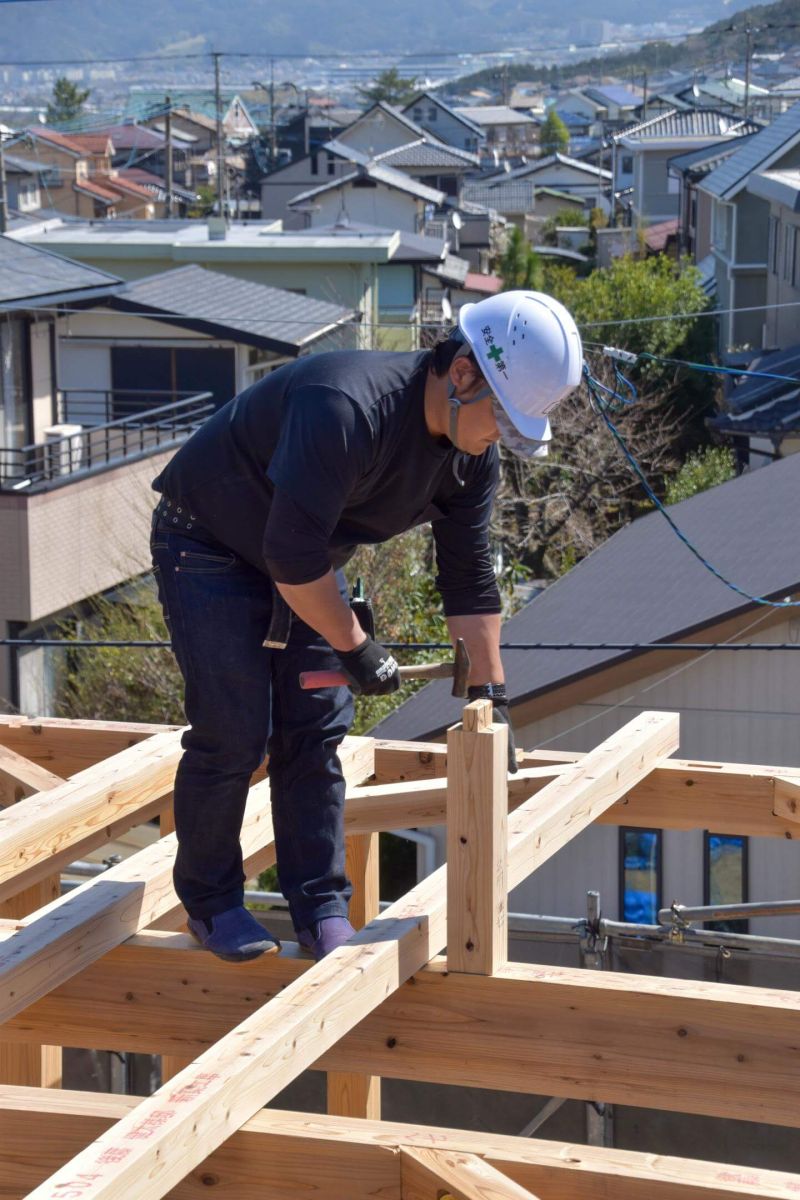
{"x": 712, "y": 938}
{"x": 727, "y": 912}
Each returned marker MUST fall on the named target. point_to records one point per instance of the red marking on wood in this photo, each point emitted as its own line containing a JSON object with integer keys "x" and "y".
{"x": 739, "y": 1177}
{"x": 73, "y": 1189}
{"x": 150, "y": 1124}
{"x": 114, "y": 1154}
{"x": 191, "y": 1091}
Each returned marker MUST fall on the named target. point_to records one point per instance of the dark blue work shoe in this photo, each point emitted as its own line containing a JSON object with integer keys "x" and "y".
{"x": 326, "y": 935}
{"x": 234, "y": 935}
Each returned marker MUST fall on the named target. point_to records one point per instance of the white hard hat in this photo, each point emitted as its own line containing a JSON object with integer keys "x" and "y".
{"x": 529, "y": 350}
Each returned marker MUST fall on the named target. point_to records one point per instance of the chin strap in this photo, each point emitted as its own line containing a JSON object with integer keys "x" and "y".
{"x": 455, "y": 408}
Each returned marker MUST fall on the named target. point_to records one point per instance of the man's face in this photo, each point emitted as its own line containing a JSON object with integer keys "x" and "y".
{"x": 477, "y": 427}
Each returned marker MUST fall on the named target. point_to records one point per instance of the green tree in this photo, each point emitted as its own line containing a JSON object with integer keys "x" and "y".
{"x": 553, "y": 135}
{"x": 389, "y": 86}
{"x": 520, "y": 265}
{"x": 564, "y": 216}
{"x": 68, "y": 101}
{"x": 552, "y": 513}
{"x": 700, "y": 471}
{"x": 205, "y": 202}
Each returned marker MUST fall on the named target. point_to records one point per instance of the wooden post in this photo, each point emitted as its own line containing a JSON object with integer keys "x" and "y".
{"x": 171, "y": 1064}
{"x": 431, "y": 1174}
{"x": 477, "y": 837}
{"x": 351, "y": 1093}
{"x": 28, "y": 1066}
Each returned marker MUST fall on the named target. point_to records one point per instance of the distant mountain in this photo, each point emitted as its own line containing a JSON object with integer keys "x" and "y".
{"x": 91, "y": 29}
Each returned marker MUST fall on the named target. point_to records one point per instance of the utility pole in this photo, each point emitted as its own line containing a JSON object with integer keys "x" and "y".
{"x": 220, "y": 149}
{"x": 168, "y": 103}
{"x": 644, "y": 99}
{"x": 3, "y": 190}
{"x": 747, "y": 58}
{"x": 273, "y": 136}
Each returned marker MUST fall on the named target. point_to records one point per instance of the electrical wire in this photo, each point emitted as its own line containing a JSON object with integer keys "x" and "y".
{"x": 683, "y": 647}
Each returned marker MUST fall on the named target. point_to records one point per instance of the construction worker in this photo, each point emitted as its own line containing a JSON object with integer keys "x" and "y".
{"x": 259, "y": 511}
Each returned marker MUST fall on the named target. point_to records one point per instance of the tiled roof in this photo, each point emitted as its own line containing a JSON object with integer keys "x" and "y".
{"x": 28, "y": 273}
{"x": 703, "y": 160}
{"x": 285, "y": 322}
{"x": 123, "y": 183}
{"x": 617, "y": 95}
{"x": 777, "y": 417}
{"x": 105, "y": 194}
{"x": 488, "y": 285}
{"x": 756, "y": 155}
{"x": 92, "y": 143}
{"x": 642, "y": 585}
{"x": 426, "y": 153}
{"x": 58, "y": 139}
{"x": 507, "y": 196}
{"x": 154, "y": 184}
{"x": 494, "y": 114}
{"x": 131, "y": 136}
{"x": 753, "y": 392}
{"x": 656, "y": 237}
{"x": 384, "y": 175}
{"x": 693, "y": 122}
{"x": 551, "y": 160}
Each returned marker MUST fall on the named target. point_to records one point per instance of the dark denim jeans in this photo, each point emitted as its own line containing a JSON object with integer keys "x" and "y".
{"x": 243, "y": 701}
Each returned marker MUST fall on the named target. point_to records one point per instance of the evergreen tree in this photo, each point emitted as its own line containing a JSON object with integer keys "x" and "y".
{"x": 520, "y": 265}
{"x": 554, "y": 135}
{"x": 68, "y": 101}
{"x": 389, "y": 86}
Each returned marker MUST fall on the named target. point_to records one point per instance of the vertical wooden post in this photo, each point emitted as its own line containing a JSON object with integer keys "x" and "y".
{"x": 351, "y": 1094}
{"x": 28, "y": 1066}
{"x": 477, "y": 834}
{"x": 171, "y": 1064}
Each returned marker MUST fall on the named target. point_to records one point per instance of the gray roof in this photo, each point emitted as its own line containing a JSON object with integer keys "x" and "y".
{"x": 427, "y": 153}
{"x": 384, "y": 175}
{"x": 757, "y": 154}
{"x": 693, "y": 122}
{"x": 493, "y": 114}
{"x": 780, "y": 186}
{"x": 30, "y": 277}
{"x": 774, "y": 418}
{"x": 542, "y": 164}
{"x": 507, "y": 196}
{"x": 754, "y": 392}
{"x": 643, "y": 585}
{"x": 222, "y": 305}
{"x": 703, "y": 159}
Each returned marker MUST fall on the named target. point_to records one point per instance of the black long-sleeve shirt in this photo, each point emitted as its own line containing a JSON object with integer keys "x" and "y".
{"x": 330, "y": 452}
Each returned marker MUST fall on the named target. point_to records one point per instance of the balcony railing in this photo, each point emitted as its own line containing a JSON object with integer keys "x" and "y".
{"x": 104, "y": 406}
{"x": 97, "y": 446}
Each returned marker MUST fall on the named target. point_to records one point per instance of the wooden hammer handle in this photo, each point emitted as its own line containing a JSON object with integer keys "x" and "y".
{"x": 322, "y": 679}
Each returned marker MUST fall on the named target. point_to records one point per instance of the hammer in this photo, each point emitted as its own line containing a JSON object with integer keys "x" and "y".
{"x": 457, "y": 670}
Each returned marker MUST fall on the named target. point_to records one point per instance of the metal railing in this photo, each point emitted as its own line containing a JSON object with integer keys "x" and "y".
{"x": 102, "y": 406}
{"x": 97, "y": 446}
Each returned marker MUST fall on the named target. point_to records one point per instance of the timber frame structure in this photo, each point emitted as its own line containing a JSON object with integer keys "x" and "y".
{"x": 106, "y": 966}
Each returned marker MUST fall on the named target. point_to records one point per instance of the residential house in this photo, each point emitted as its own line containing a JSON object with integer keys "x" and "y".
{"x": 728, "y": 95}
{"x": 741, "y": 229}
{"x": 650, "y": 145}
{"x": 620, "y": 104}
{"x": 380, "y": 128}
{"x": 194, "y": 111}
{"x": 433, "y": 163}
{"x": 450, "y": 125}
{"x": 100, "y": 381}
{"x": 639, "y": 588}
{"x": 695, "y": 207}
{"x": 342, "y": 268}
{"x": 371, "y": 194}
{"x": 577, "y": 102}
{"x": 780, "y": 189}
{"x": 80, "y": 180}
{"x": 507, "y": 131}
{"x": 514, "y": 199}
{"x": 761, "y": 416}
{"x": 565, "y": 174}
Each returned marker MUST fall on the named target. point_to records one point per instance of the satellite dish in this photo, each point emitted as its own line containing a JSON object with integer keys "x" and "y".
{"x": 456, "y": 219}
{"x": 447, "y": 309}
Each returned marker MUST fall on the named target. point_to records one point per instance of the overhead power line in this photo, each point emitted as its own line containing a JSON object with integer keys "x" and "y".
{"x": 683, "y": 647}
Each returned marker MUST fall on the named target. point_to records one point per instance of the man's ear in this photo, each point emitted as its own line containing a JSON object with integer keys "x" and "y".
{"x": 464, "y": 374}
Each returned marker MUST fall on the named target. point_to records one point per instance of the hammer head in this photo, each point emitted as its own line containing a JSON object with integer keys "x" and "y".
{"x": 461, "y": 665}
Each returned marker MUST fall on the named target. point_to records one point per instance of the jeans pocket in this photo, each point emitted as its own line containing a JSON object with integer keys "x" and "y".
{"x": 200, "y": 563}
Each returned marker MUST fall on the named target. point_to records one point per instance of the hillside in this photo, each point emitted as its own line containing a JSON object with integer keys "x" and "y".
{"x": 775, "y": 26}
{"x": 87, "y": 29}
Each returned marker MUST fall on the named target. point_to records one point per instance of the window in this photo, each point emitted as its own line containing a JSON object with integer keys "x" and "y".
{"x": 673, "y": 185}
{"x": 796, "y": 271}
{"x": 432, "y": 113}
{"x": 627, "y": 164}
{"x": 723, "y": 227}
{"x": 315, "y": 164}
{"x": 331, "y": 163}
{"x": 725, "y": 876}
{"x": 640, "y": 875}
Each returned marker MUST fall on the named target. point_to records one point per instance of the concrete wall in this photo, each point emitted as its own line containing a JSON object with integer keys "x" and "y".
{"x": 42, "y": 382}
{"x": 652, "y": 199}
{"x": 752, "y": 228}
{"x": 750, "y": 291}
{"x": 782, "y": 326}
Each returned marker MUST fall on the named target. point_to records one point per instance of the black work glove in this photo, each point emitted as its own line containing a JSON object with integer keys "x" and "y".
{"x": 496, "y": 692}
{"x": 371, "y": 669}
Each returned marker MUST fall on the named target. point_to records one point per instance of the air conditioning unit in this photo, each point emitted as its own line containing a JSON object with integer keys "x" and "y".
{"x": 63, "y": 449}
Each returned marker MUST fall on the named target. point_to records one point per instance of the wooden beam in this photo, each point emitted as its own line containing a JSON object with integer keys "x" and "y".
{"x": 678, "y": 794}
{"x": 31, "y": 1066}
{"x": 431, "y": 1174}
{"x": 58, "y": 941}
{"x": 49, "y": 830}
{"x": 208, "y": 1101}
{"x": 787, "y": 799}
{"x": 477, "y": 840}
{"x": 20, "y": 777}
{"x": 713, "y": 1049}
{"x": 351, "y": 1093}
{"x": 270, "y": 1158}
{"x": 67, "y": 746}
